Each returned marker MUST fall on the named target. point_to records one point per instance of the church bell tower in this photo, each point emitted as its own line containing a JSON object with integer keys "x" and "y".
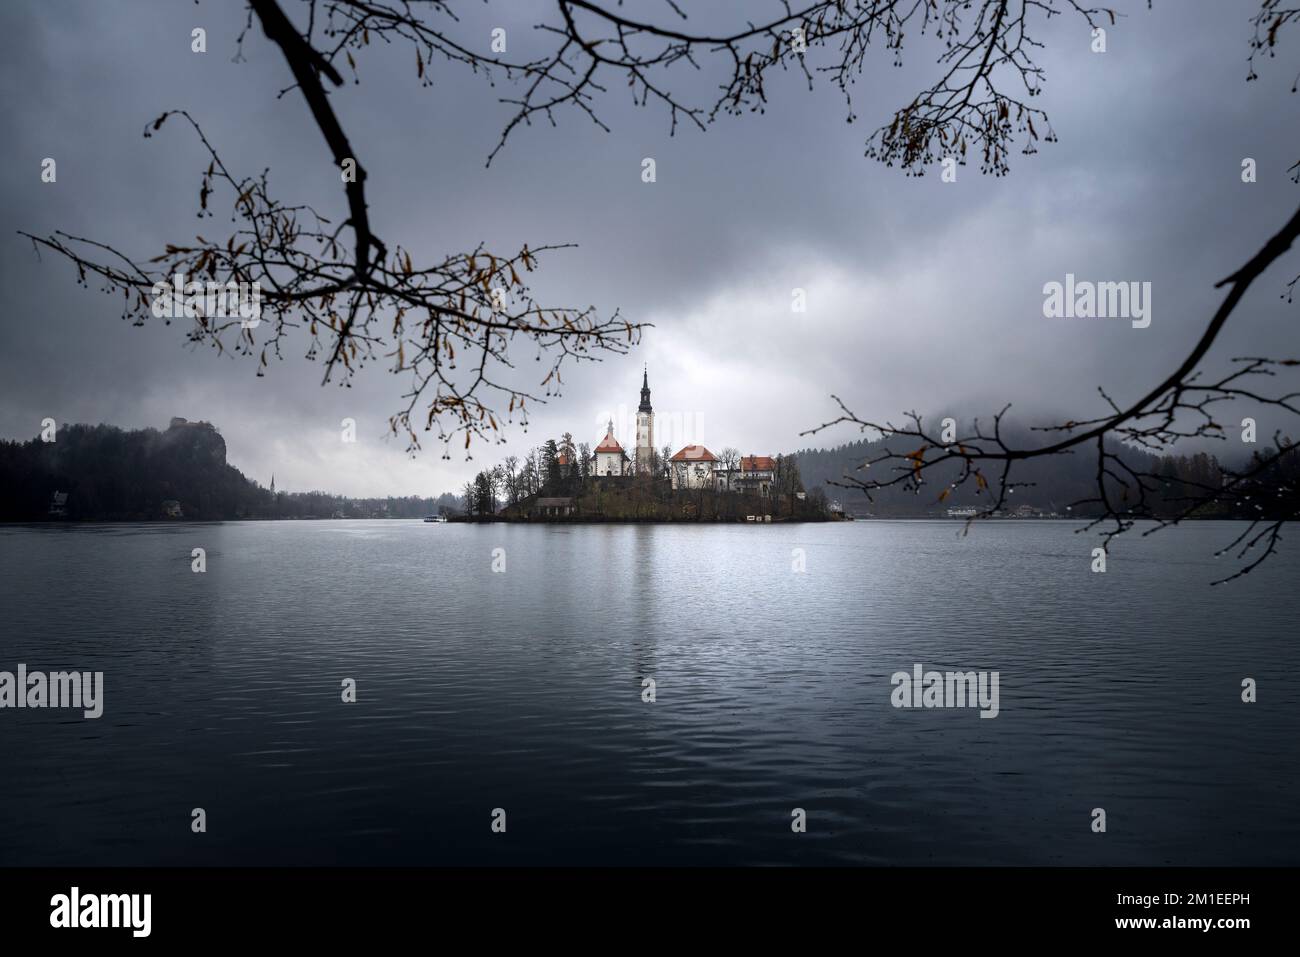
{"x": 645, "y": 426}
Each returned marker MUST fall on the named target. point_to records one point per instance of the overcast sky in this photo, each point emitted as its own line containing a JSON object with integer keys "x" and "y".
{"x": 920, "y": 294}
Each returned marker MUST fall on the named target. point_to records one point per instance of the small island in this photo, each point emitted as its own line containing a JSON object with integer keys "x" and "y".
{"x": 567, "y": 482}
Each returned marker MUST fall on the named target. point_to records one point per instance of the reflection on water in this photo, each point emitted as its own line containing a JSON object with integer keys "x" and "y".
{"x": 523, "y": 691}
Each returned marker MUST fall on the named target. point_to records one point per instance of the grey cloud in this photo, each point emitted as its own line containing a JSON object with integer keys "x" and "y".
{"x": 921, "y": 294}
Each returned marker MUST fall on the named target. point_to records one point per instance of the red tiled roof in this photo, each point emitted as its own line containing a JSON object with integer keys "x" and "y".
{"x": 757, "y": 463}
{"x": 563, "y": 459}
{"x": 694, "y": 453}
{"x": 609, "y": 444}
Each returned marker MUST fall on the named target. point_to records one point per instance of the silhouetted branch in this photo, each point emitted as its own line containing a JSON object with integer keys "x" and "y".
{"x": 1179, "y": 408}
{"x": 356, "y": 301}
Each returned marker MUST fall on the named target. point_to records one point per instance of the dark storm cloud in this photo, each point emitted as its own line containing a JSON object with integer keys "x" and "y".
{"x": 920, "y": 294}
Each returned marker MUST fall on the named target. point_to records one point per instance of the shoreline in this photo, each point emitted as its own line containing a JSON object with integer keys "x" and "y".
{"x": 496, "y": 520}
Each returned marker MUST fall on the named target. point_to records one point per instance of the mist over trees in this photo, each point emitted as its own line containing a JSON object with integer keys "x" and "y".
{"x": 112, "y": 474}
{"x": 1180, "y": 485}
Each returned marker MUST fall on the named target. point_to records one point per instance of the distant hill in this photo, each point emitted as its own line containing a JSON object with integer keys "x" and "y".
{"x": 1057, "y": 480}
{"x": 111, "y": 474}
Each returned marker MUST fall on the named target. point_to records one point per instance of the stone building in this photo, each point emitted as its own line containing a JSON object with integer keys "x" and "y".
{"x": 693, "y": 467}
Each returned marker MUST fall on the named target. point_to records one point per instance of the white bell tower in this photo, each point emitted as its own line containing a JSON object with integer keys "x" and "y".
{"x": 645, "y": 426}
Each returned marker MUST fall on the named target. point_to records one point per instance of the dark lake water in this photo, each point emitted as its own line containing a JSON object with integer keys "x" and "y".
{"x": 522, "y": 690}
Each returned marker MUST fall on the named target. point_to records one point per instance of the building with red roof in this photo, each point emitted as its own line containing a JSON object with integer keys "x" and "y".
{"x": 693, "y": 467}
{"x": 755, "y": 474}
{"x": 610, "y": 459}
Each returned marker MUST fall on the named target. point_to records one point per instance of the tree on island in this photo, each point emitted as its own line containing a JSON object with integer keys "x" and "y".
{"x": 471, "y": 496}
{"x": 786, "y": 482}
{"x": 344, "y": 287}
{"x": 570, "y": 472}
{"x": 510, "y": 469}
{"x": 528, "y": 483}
{"x": 482, "y": 493}
{"x": 550, "y": 459}
{"x": 584, "y": 462}
{"x": 729, "y": 458}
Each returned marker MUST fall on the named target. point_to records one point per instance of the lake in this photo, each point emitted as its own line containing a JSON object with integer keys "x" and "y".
{"x": 522, "y": 689}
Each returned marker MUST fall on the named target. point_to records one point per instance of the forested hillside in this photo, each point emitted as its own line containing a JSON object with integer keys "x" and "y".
{"x": 1056, "y": 482}
{"x": 111, "y": 474}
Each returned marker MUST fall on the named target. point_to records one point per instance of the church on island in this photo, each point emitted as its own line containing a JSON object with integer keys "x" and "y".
{"x": 692, "y": 467}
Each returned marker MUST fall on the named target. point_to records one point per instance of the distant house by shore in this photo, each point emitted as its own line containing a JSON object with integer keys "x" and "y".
{"x": 555, "y": 507}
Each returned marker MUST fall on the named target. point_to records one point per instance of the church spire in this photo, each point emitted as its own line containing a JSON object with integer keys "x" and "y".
{"x": 645, "y": 391}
